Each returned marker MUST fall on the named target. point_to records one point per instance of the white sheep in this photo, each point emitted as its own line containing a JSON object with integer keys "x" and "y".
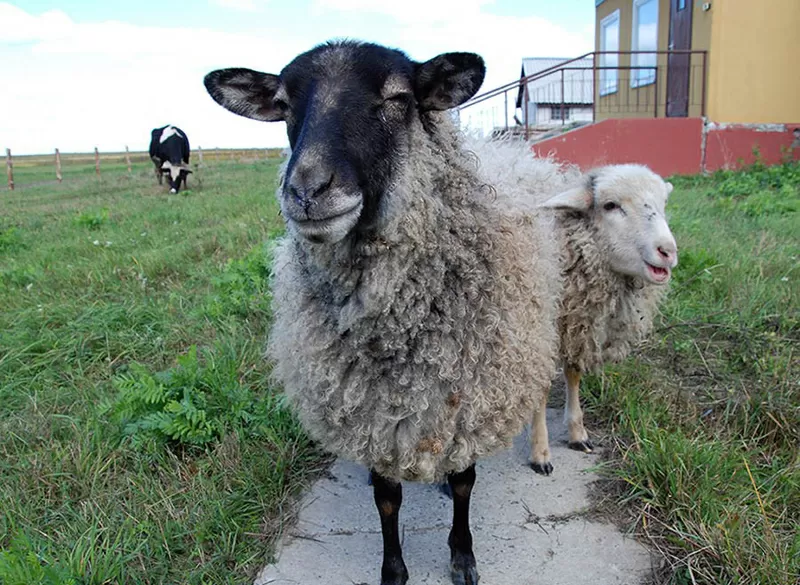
{"x": 414, "y": 300}
{"x": 617, "y": 252}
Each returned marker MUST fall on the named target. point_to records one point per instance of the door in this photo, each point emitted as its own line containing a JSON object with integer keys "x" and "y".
{"x": 678, "y": 65}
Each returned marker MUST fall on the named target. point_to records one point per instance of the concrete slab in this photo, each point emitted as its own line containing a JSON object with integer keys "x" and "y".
{"x": 527, "y": 529}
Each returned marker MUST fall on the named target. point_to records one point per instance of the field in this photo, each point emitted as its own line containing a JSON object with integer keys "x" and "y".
{"x": 127, "y": 455}
{"x": 141, "y": 443}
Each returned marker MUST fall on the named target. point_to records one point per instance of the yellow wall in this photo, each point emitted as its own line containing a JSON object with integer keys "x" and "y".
{"x": 752, "y": 74}
{"x": 632, "y": 102}
{"x": 754, "y": 50}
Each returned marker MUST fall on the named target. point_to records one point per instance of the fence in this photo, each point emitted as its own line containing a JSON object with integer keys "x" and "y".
{"x": 594, "y": 86}
{"x": 28, "y": 170}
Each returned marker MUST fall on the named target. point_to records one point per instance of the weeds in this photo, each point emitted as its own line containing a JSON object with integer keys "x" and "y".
{"x": 141, "y": 440}
{"x": 706, "y": 414}
{"x": 92, "y": 219}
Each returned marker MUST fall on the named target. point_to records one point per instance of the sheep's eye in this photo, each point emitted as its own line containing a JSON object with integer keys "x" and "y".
{"x": 610, "y": 206}
{"x": 280, "y": 104}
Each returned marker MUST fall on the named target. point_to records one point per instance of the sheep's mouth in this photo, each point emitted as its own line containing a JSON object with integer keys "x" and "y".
{"x": 658, "y": 274}
{"x": 329, "y": 229}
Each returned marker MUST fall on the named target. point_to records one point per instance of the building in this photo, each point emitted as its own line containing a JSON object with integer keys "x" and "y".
{"x": 732, "y": 61}
{"x": 558, "y": 91}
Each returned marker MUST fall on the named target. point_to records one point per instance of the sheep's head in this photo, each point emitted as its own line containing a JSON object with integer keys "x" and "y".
{"x": 349, "y": 110}
{"x": 625, "y": 204}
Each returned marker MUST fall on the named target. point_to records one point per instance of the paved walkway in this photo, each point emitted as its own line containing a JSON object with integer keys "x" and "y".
{"x": 527, "y": 529}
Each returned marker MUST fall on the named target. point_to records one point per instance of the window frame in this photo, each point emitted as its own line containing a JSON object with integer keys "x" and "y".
{"x": 605, "y": 74}
{"x": 555, "y": 113}
{"x": 650, "y": 79}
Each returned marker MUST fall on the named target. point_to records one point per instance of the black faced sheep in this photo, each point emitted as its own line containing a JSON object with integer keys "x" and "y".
{"x": 414, "y": 300}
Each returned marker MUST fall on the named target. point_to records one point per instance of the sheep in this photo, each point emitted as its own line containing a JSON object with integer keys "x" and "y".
{"x": 617, "y": 253}
{"x": 414, "y": 301}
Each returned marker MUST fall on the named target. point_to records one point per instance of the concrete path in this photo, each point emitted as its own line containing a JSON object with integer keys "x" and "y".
{"x": 527, "y": 529}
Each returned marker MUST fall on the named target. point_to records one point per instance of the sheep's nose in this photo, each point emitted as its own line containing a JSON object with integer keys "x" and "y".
{"x": 307, "y": 184}
{"x": 668, "y": 253}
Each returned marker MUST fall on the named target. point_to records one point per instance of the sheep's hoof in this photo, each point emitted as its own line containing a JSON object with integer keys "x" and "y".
{"x": 463, "y": 570}
{"x": 585, "y": 446}
{"x": 445, "y": 489}
{"x": 545, "y": 468}
{"x": 394, "y": 574}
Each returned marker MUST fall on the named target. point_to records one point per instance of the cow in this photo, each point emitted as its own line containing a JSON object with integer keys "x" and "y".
{"x": 169, "y": 151}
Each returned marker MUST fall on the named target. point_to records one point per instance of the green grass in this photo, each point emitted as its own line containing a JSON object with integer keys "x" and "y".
{"x": 706, "y": 416}
{"x": 140, "y": 440}
{"x": 141, "y": 443}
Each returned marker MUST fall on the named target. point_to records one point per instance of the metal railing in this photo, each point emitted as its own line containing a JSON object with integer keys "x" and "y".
{"x": 572, "y": 92}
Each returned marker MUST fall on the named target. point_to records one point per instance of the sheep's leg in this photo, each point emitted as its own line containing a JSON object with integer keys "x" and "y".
{"x": 540, "y": 445}
{"x": 573, "y": 415}
{"x": 462, "y": 559}
{"x": 388, "y": 499}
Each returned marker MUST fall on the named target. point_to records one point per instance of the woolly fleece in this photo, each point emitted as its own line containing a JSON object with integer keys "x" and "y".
{"x": 603, "y": 314}
{"x": 427, "y": 343}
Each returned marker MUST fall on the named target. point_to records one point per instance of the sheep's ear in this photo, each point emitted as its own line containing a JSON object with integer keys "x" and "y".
{"x": 669, "y": 187}
{"x": 448, "y": 80}
{"x": 245, "y": 92}
{"x": 580, "y": 198}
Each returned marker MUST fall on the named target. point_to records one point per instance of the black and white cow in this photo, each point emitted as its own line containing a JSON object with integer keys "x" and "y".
{"x": 169, "y": 150}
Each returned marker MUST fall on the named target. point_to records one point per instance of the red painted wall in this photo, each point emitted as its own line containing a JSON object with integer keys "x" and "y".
{"x": 732, "y": 146}
{"x": 669, "y": 146}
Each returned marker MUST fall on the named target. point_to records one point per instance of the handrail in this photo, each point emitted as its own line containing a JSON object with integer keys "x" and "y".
{"x": 522, "y": 83}
{"x": 550, "y": 70}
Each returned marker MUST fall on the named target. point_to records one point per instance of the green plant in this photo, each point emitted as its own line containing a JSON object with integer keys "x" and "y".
{"x": 21, "y": 564}
{"x": 242, "y": 287}
{"x": 10, "y": 239}
{"x": 758, "y": 189}
{"x": 92, "y": 219}
{"x": 195, "y": 403}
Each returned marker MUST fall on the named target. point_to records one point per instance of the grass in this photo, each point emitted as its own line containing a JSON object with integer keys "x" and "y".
{"x": 141, "y": 441}
{"x": 706, "y": 416}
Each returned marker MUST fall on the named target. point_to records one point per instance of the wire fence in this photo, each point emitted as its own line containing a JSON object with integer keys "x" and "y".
{"x": 32, "y": 170}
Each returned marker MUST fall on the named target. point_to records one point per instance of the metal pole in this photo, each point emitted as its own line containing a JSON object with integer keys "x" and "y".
{"x": 128, "y": 158}
{"x": 562, "y": 97}
{"x": 703, "y": 102}
{"x": 525, "y": 108}
{"x": 200, "y": 154}
{"x": 505, "y": 95}
{"x": 655, "y": 90}
{"x": 58, "y": 166}
{"x": 96, "y": 162}
{"x": 9, "y": 170}
{"x": 595, "y": 87}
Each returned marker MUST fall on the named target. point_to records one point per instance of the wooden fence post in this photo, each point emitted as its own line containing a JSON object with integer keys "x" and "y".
{"x": 128, "y": 158}
{"x": 96, "y": 162}
{"x": 200, "y": 155}
{"x": 58, "y": 166}
{"x": 9, "y": 170}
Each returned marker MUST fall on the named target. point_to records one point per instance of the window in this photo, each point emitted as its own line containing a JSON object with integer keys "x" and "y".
{"x": 609, "y": 41}
{"x": 681, "y": 5}
{"x": 555, "y": 113}
{"x": 645, "y": 38}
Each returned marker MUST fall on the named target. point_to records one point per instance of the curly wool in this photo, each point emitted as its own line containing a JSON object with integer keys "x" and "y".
{"x": 603, "y": 313}
{"x": 425, "y": 344}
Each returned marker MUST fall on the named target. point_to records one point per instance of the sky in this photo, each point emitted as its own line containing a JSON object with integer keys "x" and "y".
{"x": 79, "y": 74}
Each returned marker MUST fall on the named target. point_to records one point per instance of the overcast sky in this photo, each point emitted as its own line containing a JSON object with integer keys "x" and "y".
{"x": 77, "y": 74}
